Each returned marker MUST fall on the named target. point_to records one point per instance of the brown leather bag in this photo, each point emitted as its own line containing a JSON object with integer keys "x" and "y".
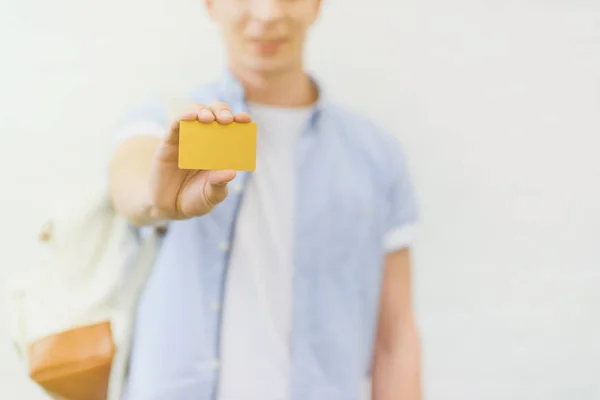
{"x": 75, "y": 364}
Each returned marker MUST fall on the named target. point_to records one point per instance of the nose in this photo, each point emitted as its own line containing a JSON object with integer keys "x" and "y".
{"x": 266, "y": 10}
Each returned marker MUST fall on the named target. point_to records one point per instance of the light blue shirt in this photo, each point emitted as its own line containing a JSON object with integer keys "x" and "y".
{"x": 354, "y": 203}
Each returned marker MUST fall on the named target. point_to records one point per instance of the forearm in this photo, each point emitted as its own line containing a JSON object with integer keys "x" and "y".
{"x": 397, "y": 366}
{"x": 130, "y": 178}
{"x": 396, "y": 363}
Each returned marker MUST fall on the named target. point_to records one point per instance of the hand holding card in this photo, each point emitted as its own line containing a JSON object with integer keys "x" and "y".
{"x": 195, "y": 161}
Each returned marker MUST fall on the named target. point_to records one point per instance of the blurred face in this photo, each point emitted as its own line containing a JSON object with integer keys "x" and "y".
{"x": 265, "y": 36}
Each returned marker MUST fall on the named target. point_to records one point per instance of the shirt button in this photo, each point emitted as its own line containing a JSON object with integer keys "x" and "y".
{"x": 215, "y": 306}
{"x": 224, "y": 246}
{"x": 214, "y": 364}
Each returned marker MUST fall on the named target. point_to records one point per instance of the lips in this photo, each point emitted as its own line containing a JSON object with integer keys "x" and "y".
{"x": 267, "y": 46}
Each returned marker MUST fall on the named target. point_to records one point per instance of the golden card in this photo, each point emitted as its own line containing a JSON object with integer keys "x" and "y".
{"x": 214, "y": 146}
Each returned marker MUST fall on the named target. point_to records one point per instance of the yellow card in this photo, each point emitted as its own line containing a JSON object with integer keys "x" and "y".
{"x": 215, "y": 146}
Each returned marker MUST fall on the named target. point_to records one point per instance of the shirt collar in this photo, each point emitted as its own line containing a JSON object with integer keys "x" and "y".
{"x": 233, "y": 93}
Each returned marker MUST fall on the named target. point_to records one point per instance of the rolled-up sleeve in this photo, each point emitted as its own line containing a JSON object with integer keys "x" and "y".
{"x": 147, "y": 119}
{"x": 401, "y": 201}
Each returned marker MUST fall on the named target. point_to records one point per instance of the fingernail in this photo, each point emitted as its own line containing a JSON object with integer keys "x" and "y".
{"x": 205, "y": 113}
{"x": 225, "y": 113}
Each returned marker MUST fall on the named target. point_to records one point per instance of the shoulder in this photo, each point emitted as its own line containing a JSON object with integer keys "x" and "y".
{"x": 152, "y": 115}
{"x": 162, "y": 107}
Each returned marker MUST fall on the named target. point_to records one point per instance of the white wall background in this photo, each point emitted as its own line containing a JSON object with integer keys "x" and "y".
{"x": 496, "y": 101}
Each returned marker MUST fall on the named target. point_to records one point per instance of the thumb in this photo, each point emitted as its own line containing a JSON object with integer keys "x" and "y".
{"x": 216, "y": 187}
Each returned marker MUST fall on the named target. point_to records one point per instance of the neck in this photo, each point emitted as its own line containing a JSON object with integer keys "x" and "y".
{"x": 289, "y": 88}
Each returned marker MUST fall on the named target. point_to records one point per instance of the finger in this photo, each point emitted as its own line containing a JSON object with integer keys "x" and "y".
{"x": 215, "y": 190}
{"x": 242, "y": 117}
{"x": 222, "y": 112}
{"x": 206, "y": 116}
{"x": 191, "y": 113}
{"x": 221, "y": 177}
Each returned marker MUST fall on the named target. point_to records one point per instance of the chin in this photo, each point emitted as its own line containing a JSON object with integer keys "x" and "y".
{"x": 268, "y": 65}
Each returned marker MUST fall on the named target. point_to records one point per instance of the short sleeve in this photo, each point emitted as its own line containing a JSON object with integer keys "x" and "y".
{"x": 402, "y": 209}
{"x": 150, "y": 118}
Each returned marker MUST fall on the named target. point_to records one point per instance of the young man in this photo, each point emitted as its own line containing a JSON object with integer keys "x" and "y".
{"x": 300, "y": 291}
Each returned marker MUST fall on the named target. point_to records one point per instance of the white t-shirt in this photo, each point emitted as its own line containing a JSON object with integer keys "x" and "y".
{"x": 257, "y": 313}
